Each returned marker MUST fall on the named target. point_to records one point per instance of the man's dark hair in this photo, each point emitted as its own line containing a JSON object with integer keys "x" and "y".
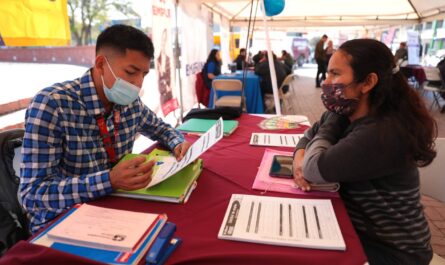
{"x": 325, "y": 36}
{"x": 123, "y": 37}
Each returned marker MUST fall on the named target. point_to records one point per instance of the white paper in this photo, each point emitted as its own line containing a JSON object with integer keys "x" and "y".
{"x": 275, "y": 139}
{"x": 309, "y": 223}
{"x": 105, "y": 228}
{"x": 170, "y": 166}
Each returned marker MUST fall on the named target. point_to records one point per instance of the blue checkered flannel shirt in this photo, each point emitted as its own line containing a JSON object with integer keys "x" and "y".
{"x": 64, "y": 160}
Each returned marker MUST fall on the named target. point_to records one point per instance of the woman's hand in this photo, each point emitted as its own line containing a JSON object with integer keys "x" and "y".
{"x": 300, "y": 182}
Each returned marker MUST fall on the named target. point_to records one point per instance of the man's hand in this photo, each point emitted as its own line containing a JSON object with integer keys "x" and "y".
{"x": 180, "y": 150}
{"x": 131, "y": 174}
{"x": 300, "y": 182}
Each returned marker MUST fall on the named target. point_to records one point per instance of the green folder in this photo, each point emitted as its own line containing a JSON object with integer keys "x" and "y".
{"x": 176, "y": 189}
{"x": 200, "y": 126}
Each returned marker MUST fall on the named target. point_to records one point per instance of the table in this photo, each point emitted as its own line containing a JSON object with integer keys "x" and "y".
{"x": 229, "y": 167}
{"x": 252, "y": 91}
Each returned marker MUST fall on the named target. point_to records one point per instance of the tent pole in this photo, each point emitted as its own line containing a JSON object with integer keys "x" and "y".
{"x": 273, "y": 74}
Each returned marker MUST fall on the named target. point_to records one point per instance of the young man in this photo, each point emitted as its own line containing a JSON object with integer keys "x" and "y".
{"x": 76, "y": 131}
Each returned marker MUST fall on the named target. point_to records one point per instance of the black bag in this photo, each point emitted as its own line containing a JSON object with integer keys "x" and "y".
{"x": 13, "y": 221}
{"x": 227, "y": 113}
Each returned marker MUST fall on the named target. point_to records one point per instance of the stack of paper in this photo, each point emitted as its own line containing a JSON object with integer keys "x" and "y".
{"x": 282, "y": 122}
{"x": 102, "y": 234}
{"x": 275, "y": 139}
{"x": 282, "y": 221}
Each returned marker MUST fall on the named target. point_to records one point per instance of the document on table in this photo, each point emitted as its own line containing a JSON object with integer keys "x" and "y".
{"x": 275, "y": 139}
{"x": 308, "y": 223}
{"x": 168, "y": 166}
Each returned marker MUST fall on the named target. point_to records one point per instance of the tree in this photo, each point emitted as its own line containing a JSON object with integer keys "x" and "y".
{"x": 84, "y": 13}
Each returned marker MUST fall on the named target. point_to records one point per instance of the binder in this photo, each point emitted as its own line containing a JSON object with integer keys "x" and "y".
{"x": 173, "y": 244}
{"x": 175, "y": 189}
{"x": 161, "y": 243}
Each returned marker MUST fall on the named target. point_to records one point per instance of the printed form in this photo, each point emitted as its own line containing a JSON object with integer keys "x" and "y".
{"x": 275, "y": 139}
{"x": 169, "y": 166}
{"x": 308, "y": 223}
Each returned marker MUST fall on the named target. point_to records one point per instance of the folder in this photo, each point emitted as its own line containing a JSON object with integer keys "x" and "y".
{"x": 161, "y": 243}
{"x": 175, "y": 189}
{"x": 200, "y": 126}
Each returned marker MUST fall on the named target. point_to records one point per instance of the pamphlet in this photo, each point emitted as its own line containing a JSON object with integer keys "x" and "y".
{"x": 168, "y": 166}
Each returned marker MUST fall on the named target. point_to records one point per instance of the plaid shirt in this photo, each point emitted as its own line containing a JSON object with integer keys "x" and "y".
{"x": 64, "y": 159}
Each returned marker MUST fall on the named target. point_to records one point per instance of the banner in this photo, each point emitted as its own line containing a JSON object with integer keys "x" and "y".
{"x": 164, "y": 58}
{"x": 34, "y": 23}
{"x": 413, "y": 47}
{"x": 194, "y": 47}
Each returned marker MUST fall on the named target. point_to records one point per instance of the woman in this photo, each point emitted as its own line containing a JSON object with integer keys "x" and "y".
{"x": 212, "y": 67}
{"x": 372, "y": 138}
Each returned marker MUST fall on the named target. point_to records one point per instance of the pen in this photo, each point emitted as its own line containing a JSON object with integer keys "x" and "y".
{"x": 305, "y": 222}
{"x": 281, "y": 219}
{"x": 285, "y": 139}
{"x": 281, "y": 140}
{"x": 318, "y": 222}
{"x": 293, "y": 139}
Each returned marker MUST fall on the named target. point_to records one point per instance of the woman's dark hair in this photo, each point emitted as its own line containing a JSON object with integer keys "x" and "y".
{"x": 392, "y": 98}
{"x": 212, "y": 56}
{"x": 123, "y": 37}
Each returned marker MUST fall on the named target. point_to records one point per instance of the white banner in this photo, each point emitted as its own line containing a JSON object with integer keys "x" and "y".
{"x": 193, "y": 21}
{"x": 164, "y": 58}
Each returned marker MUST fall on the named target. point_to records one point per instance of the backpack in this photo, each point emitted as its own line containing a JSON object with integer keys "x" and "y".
{"x": 13, "y": 221}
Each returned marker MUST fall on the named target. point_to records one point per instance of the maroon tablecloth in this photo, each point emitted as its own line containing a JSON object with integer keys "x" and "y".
{"x": 229, "y": 167}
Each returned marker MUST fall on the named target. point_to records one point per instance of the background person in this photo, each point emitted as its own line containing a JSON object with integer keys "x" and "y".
{"x": 320, "y": 58}
{"x": 287, "y": 59}
{"x": 212, "y": 67}
{"x": 375, "y": 134}
{"x": 241, "y": 59}
{"x": 401, "y": 53}
{"x": 77, "y": 130}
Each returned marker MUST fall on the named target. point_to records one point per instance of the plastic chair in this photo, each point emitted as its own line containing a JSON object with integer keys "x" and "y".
{"x": 433, "y": 76}
{"x": 285, "y": 98}
{"x": 227, "y": 100}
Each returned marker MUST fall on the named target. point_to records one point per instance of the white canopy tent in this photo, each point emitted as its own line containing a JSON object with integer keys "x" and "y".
{"x": 320, "y": 13}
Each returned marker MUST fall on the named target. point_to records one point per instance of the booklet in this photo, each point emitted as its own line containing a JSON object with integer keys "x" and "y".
{"x": 200, "y": 126}
{"x": 175, "y": 189}
{"x": 264, "y": 182}
{"x": 283, "y": 122}
{"x": 97, "y": 254}
{"x": 308, "y": 223}
{"x": 104, "y": 228}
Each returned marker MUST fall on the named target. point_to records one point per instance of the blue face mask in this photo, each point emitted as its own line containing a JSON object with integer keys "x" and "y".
{"x": 122, "y": 92}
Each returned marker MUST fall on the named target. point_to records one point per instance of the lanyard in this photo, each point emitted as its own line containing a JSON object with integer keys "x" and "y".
{"x": 106, "y": 137}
